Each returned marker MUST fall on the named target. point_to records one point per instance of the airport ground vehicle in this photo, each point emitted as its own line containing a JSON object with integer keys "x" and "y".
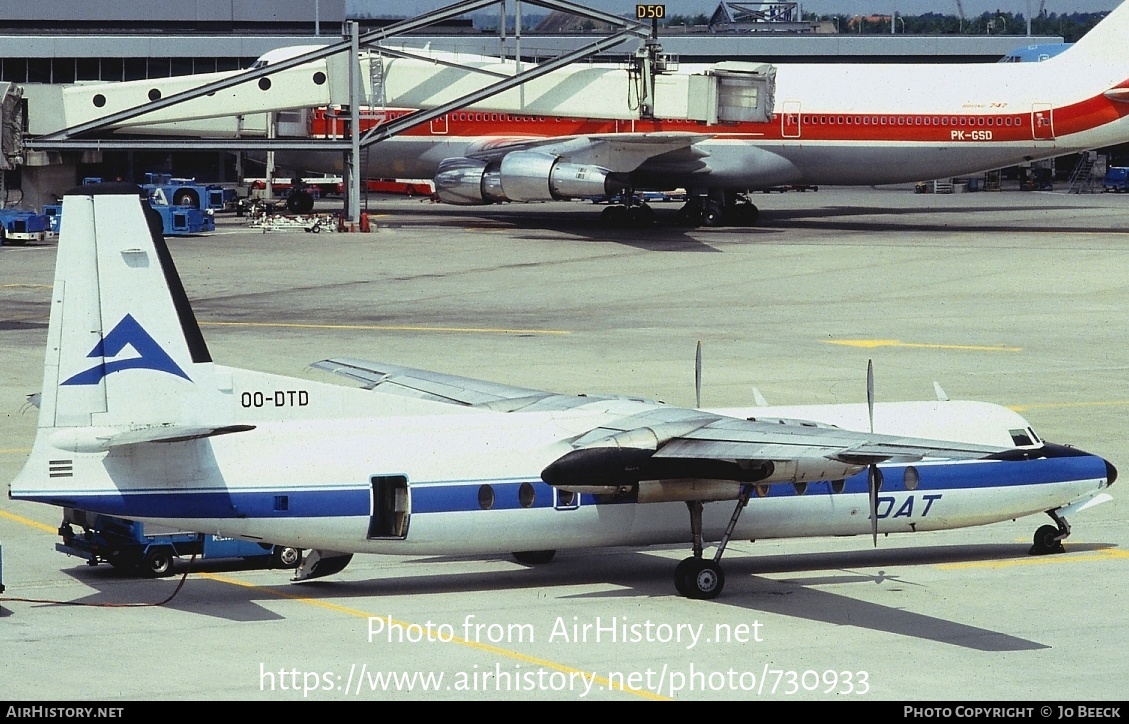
{"x": 150, "y": 549}
{"x": 20, "y": 227}
{"x": 187, "y": 192}
{"x": 193, "y": 216}
{"x": 1116, "y": 179}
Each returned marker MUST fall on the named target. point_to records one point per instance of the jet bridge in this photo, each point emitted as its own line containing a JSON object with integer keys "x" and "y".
{"x": 235, "y": 111}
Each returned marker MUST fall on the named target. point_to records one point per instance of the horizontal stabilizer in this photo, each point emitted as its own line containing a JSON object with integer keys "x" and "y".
{"x": 101, "y": 439}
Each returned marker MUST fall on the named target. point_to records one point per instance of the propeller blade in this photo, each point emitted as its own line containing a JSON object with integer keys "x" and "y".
{"x": 870, "y": 392}
{"x": 873, "y": 483}
{"x": 874, "y": 475}
{"x": 698, "y": 376}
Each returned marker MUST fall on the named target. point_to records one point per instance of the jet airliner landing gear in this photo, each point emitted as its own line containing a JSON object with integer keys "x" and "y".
{"x": 619, "y": 216}
{"x": 718, "y": 209}
{"x": 696, "y": 577}
{"x": 1049, "y": 538}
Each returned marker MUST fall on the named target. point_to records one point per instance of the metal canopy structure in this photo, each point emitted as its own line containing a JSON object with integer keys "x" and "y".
{"x": 82, "y": 136}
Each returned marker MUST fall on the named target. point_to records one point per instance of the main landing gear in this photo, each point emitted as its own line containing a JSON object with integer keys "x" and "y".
{"x": 636, "y": 216}
{"x": 1049, "y": 538}
{"x": 697, "y": 577}
{"x": 729, "y": 209}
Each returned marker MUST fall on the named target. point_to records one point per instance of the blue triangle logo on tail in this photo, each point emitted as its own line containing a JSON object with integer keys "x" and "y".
{"x": 127, "y": 333}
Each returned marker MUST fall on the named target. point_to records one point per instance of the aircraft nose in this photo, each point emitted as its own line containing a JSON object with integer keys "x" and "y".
{"x": 1110, "y": 473}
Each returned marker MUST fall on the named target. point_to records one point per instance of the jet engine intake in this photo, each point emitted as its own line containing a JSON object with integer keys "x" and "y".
{"x": 520, "y": 176}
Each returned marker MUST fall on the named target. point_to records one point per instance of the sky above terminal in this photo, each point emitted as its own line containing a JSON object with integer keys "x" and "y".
{"x": 846, "y": 7}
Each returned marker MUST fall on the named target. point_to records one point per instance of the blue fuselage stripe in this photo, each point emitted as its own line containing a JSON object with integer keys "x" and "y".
{"x": 465, "y": 496}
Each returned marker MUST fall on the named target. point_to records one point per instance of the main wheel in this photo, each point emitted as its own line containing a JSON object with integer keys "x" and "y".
{"x": 286, "y": 557}
{"x": 641, "y": 216}
{"x": 1046, "y": 541}
{"x": 157, "y": 562}
{"x": 701, "y": 579}
{"x": 712, "y": 214}
{"x": 682, "y": 575}
{"x": 614, "y": 216}
{"x": 533, "y": 558}
{"x": 690, "y": 215}
{"x": 743, "y": 215}
{"x": 300, "y": 202}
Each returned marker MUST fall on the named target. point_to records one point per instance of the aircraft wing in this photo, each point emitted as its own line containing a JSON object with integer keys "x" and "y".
{"x": 654, "y": 441}
{"x": 686, "y": 445}
{"x": 617, "y": 152}
{"x": 452, "y": 389}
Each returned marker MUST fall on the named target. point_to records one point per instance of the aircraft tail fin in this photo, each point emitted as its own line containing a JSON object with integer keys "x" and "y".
{"x": 118, "y": 304}
{"x": 1104, "y": 44}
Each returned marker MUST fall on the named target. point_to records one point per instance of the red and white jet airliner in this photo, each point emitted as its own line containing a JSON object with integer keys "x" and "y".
{"x": 848, "y": 124}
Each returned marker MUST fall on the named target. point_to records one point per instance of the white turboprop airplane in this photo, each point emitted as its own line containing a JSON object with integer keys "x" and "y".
{"x": 137, "y": 421}
{"x": 799, "y": 124}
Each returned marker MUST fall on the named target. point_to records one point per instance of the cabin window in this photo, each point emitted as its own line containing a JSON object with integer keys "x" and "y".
{"x": 911, "y": 478}
{"x": 762, "y": 490}
{"x": 838, "y": 486}
{"x": 485, "y": 497}
{"x": 800, "y": 488}
{"x": 526, "y": 495}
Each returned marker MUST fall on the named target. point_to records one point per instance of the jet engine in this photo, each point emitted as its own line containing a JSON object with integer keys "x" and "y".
{"x": 521, "y": 176}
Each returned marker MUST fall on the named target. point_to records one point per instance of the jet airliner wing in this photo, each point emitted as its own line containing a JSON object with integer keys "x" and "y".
{"x": 617, "y": 152}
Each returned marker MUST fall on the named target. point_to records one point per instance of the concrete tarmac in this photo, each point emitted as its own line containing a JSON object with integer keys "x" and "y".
{"x": 1014, "y": 298}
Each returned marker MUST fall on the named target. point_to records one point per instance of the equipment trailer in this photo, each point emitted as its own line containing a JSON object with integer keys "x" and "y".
{"x": 150, "y": 549}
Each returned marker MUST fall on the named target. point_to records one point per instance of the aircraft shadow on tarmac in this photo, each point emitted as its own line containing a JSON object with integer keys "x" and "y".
{"x": 547, "y": 221}
{"x": 640, "y": 574}
{"x": 949, "y": 220}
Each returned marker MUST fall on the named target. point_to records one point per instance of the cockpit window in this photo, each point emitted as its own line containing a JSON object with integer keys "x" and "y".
{"x": 1024, "y": 437}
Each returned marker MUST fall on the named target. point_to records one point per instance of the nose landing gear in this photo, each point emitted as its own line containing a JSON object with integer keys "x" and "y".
{"x": 1049, "y": 538}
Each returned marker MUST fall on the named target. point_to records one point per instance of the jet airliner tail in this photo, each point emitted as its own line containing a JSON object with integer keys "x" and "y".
{"x": 1099, "y": 55}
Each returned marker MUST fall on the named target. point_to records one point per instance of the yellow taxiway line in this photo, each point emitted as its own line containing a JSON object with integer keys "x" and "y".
{"x": 874, "y": 343}
{"x": 606, "y": 684}
{"x": 1037, "y": 560}
{"x": 28, "y": 521}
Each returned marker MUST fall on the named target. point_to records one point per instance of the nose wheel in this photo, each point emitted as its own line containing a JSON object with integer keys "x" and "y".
{"x": 1048, "y": 539}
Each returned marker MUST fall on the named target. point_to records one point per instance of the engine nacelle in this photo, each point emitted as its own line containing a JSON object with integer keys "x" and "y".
{"x": 467, "y": 182}
{"x": 521, "y": 176}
